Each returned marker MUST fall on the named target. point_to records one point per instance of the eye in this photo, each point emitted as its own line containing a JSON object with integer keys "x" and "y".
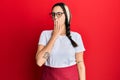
{"x": 59, "y": 13}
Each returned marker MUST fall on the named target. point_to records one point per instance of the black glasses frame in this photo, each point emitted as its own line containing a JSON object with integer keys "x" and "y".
{"x": 58, "y": 14}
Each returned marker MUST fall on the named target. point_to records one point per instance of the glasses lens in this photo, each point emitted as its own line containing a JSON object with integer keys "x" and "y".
{"x": 53, "y": 14}
{"x": 59, "y": 14}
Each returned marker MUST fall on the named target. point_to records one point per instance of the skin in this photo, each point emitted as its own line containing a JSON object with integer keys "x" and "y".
{"x": 59, "y": 23}
{"x": 43, "y": 52}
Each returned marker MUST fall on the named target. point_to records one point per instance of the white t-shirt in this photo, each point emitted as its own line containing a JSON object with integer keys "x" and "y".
{"x": 62, "y": 53}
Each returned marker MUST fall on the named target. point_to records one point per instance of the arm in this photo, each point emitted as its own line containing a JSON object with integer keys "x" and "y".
{"x": 80, "y": 65}
{"x": 43, "y": 52}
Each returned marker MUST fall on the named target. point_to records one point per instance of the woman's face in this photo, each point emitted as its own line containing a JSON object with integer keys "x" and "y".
{"x": 58, "y": 15}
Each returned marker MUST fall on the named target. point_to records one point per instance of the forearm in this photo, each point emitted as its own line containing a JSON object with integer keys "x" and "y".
{"x": 50, "y": 44}
{"x": 81, "y": 72}
{"x": 43, "y": 54}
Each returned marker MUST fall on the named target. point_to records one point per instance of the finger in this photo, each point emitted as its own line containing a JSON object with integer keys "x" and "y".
{"x": 60, "y": 23}
{"x": 60, "y": 27}
{"x": 55, "y": 24}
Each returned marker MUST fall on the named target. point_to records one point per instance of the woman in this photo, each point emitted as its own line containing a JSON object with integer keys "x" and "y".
{"x": 61, "y": 50}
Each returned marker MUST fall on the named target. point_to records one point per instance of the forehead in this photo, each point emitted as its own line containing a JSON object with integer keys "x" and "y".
{"x": 57, "y": 9}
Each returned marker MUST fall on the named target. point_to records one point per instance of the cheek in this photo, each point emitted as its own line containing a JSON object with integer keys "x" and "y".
{"x": 62, "y": 20}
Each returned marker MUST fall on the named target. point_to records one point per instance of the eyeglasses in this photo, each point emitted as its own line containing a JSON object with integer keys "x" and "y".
{"x": 58, "y": 14}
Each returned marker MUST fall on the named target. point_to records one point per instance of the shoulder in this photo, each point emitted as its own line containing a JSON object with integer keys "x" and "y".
{"x": 47, "y": 31}
{"x": 75, "y": 34}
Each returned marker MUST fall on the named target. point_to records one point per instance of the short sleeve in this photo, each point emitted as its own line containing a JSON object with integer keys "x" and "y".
{"x": 80, "y": 47}
{"x": 42, "y": 38}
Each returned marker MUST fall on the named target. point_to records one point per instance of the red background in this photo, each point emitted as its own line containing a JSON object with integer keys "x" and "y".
{"x": 22, "y": 21}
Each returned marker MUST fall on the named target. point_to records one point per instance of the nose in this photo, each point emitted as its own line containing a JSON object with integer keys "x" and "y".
{"x": 55, "y": 17}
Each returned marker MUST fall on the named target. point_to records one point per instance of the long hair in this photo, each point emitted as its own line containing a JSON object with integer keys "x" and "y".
{"x": 67, "y": 21}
